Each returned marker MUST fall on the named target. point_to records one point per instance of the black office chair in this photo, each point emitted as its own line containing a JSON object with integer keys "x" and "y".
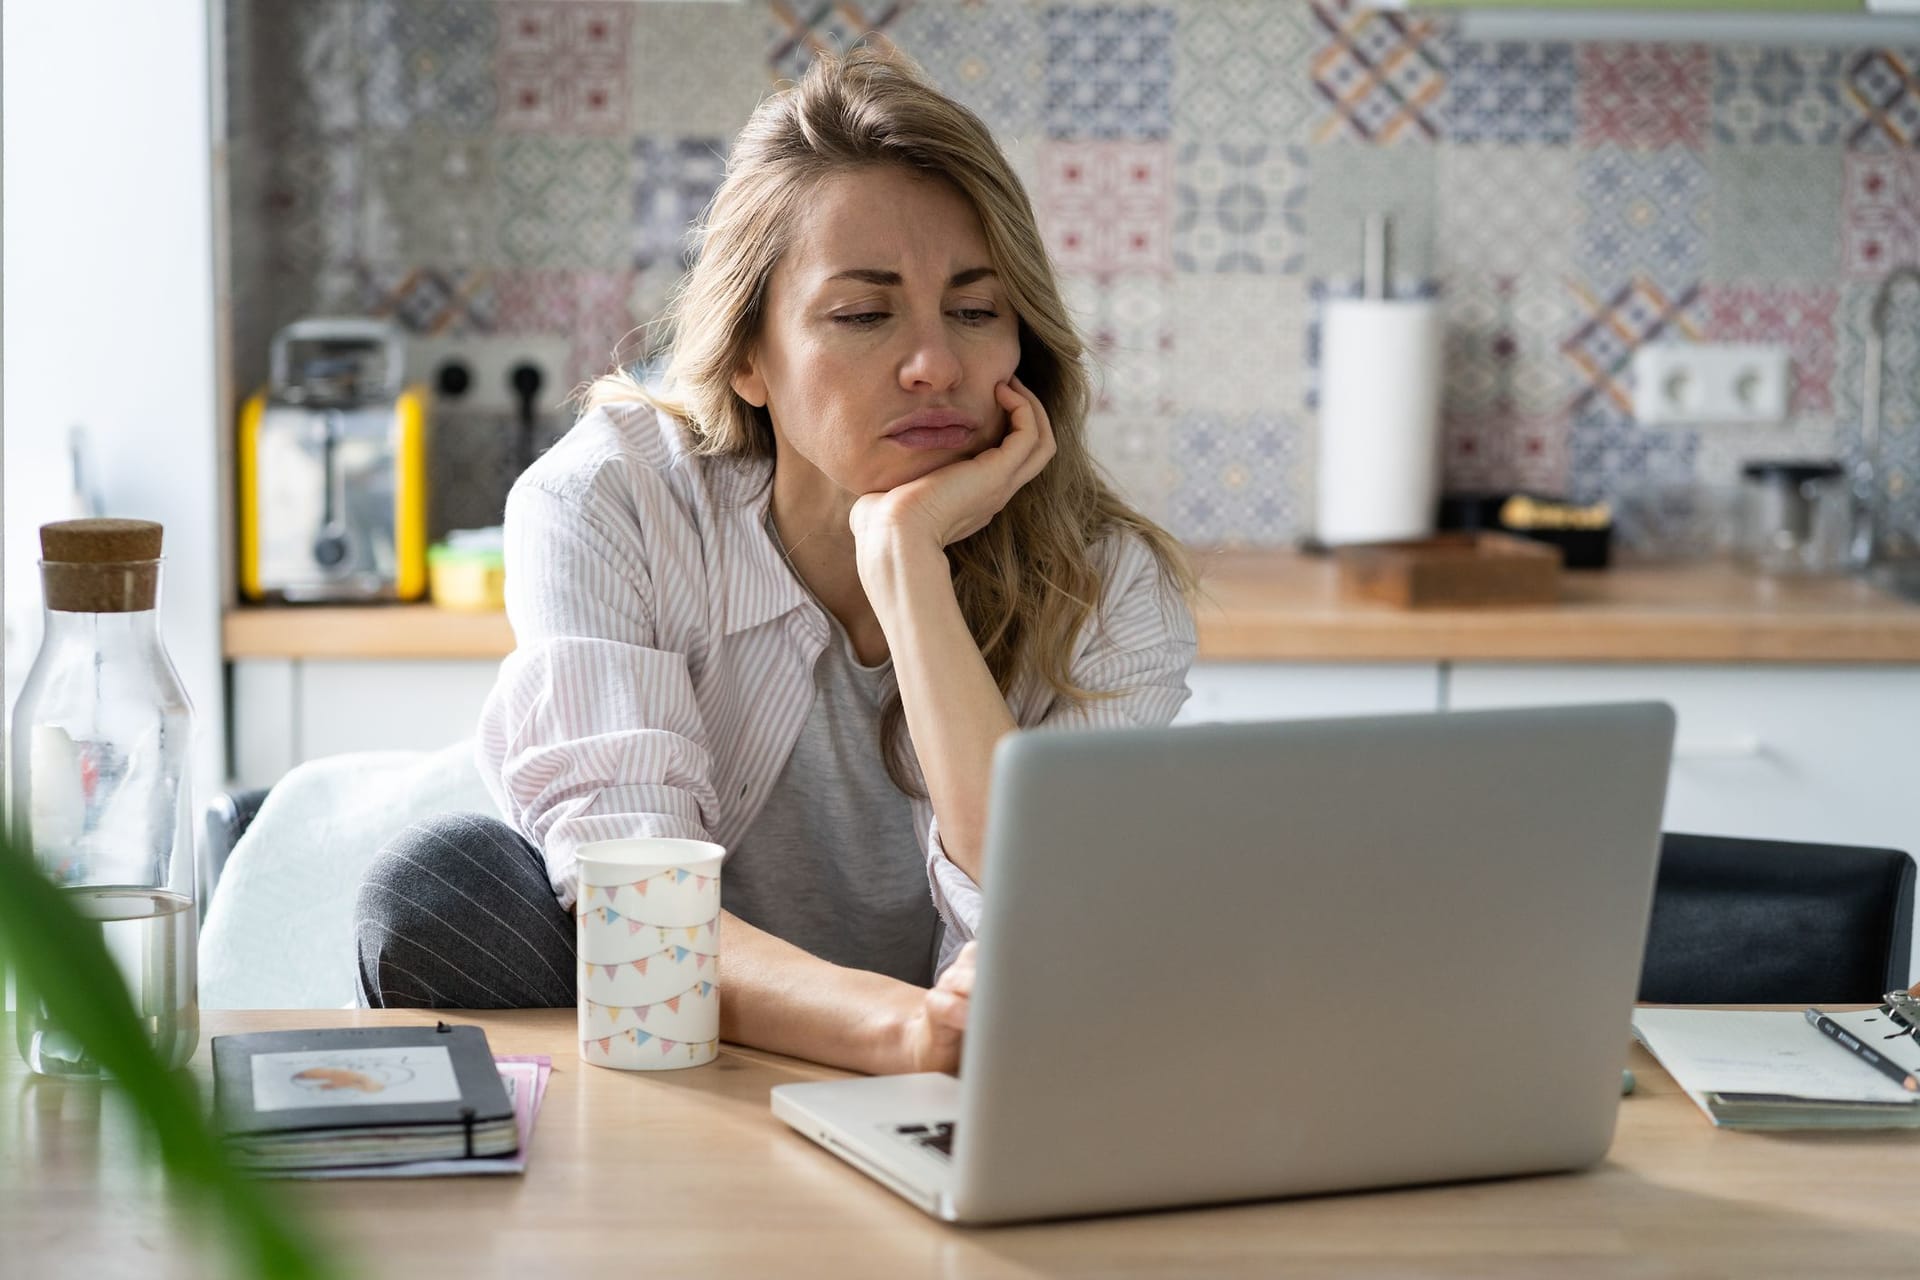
{"x": 226, "y": 819}
{"x": 1739, "y": 921}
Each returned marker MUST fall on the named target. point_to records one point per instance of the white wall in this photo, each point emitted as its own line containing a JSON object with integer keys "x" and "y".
{"x": 108, "y": 299}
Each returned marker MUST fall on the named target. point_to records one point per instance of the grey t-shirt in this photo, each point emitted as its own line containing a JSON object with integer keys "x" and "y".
{"x": 832, "y": 863}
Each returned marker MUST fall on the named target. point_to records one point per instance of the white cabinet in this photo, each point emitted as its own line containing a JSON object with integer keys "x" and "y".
{"x": 290, "y": 711}
{"x": 1825, "y": 754}
{"x": 1303, "y": 690}
{"x": 1794, "y": 753}
{"x": 1829, "y": 755}
{"x": 1791, "y": 752}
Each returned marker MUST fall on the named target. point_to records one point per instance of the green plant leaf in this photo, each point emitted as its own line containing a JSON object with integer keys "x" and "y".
{"x": 59, "y": 958}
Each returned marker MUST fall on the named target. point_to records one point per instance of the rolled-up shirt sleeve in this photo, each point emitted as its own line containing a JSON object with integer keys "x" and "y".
{"x": 956, "y": 896}
{"x": 591, "y": 731}
{"x": 1136, "y": 649}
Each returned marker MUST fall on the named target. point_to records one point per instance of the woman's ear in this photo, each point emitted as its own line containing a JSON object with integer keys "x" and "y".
{"x": 748, "y": 384}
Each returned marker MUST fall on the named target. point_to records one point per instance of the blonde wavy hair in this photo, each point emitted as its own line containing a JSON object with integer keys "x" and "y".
{"x": 1027, "y": 582}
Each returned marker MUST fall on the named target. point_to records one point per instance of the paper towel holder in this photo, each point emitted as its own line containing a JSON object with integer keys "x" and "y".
{"x": 1376, "y": 236}
{"x": 1378, "y": 448}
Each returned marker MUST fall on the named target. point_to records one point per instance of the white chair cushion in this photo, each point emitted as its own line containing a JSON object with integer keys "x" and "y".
{"x": 279, "y": 931}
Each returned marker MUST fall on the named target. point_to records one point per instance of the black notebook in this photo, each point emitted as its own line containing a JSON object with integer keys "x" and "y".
{"x": 361, "y": 1095}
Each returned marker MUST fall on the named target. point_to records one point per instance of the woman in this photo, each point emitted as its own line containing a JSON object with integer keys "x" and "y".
{"x": 790, "y": 603}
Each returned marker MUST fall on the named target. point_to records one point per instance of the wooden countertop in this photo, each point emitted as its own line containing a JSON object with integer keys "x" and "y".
{"x": 1272, "y": 606}
{"x": 688, "y": 1174}
{"x": 1281, "y": 606}
{"x": 364, "y": 631}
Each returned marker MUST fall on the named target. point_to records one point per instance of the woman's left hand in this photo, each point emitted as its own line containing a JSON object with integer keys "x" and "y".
{"x": 931, "y": 1039}
{"x": 960, "y": 498}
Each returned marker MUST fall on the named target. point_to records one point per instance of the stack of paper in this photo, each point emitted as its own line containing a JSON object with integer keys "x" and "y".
{"x": 1749, "y": 1070}
{"x": 526, "y": 1080}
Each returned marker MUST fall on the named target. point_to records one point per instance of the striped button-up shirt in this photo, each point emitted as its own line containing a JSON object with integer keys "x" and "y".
{"x": 665, "y": 653}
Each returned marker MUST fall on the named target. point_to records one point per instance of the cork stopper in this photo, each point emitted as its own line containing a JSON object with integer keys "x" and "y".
{"x": 102, "y": 541}
{"x": 100, "y": 566}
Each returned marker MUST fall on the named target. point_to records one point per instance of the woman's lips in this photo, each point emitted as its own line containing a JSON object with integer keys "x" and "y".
{"x": 934, "y": 427}
{"x": 949, "y": 437}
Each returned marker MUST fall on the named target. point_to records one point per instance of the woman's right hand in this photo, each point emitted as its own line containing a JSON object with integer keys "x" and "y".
{"x": 932, "y": 1034}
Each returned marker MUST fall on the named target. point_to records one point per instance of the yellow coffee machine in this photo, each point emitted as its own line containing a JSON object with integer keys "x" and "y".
{"x": 333, "y": 469}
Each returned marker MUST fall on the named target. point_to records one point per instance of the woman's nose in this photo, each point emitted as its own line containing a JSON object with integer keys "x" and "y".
{"x": 930, "y": 363}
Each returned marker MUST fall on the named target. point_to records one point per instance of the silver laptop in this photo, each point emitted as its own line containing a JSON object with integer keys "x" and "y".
{"x": 1238, "y": 961}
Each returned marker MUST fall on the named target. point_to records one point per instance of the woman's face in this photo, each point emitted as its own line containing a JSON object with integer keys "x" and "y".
{"x": 884, "y": 332}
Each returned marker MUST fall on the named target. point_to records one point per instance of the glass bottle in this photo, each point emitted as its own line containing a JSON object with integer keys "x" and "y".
{"x": 100, "y": 744}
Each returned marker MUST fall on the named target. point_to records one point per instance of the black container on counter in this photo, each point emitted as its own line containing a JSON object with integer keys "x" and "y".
{"x": 1580, "y": 548}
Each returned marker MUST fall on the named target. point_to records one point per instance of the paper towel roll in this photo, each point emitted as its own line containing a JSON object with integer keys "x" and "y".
{"x": 1379, "y": 455}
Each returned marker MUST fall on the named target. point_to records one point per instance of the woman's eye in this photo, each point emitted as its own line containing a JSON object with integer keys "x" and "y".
{"x": 867, "y": 319}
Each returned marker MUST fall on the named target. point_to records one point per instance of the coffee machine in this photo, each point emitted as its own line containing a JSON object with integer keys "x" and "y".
{"x": 332, "y": 469}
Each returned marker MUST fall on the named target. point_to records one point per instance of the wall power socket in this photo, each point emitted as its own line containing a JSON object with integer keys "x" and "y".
{"x": 1695, "y": 383}
{"x": 489, "y": 361}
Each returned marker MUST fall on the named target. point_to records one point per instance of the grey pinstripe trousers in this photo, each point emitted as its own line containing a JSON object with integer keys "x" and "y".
{"x": 456, "y": 913}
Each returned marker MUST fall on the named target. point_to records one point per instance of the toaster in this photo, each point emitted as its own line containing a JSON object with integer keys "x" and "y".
{"x": 332, "y": 468}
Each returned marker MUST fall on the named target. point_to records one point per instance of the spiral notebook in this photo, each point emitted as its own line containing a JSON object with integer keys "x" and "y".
{"x": 1759, "y": 1070}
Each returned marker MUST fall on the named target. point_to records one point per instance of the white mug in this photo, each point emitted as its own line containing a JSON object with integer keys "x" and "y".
{"x": 647, "y": 942}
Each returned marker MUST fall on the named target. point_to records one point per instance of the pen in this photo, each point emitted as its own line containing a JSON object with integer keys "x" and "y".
{"x": 1839, "y": 1035}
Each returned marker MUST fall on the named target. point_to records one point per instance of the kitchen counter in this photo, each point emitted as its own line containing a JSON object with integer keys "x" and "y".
{"x": 1260, "y": 606}
{"x": 1281, "y": 606}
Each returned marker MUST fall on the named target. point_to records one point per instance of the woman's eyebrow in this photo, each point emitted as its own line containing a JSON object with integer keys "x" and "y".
{"x": 892, "y": 279}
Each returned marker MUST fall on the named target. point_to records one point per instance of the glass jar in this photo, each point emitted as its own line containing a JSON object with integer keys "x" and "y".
{"x": 100, "y": 748}
{"x": 1795, "y": 516}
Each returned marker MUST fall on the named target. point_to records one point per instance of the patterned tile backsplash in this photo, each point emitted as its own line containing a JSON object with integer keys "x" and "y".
{"x": 1199, "y": 168}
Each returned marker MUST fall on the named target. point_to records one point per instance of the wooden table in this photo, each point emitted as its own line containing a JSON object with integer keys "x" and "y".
{"x": 687, "y": 1174}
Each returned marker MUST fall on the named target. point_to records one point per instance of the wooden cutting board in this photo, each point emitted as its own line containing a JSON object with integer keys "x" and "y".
{"x": 1450, "y": 570}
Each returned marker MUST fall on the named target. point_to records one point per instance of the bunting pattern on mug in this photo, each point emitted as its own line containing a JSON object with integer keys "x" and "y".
{"x": 692, "y": 932}
{"x": 640, "y": 1011}
{"x": 680, "y": 875}
{"x": 678, "y": 954}
{"x": 694, "y": 1048}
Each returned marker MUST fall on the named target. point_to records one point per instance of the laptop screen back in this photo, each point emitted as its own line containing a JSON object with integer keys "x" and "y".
{"x": 1238, "y": 961}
